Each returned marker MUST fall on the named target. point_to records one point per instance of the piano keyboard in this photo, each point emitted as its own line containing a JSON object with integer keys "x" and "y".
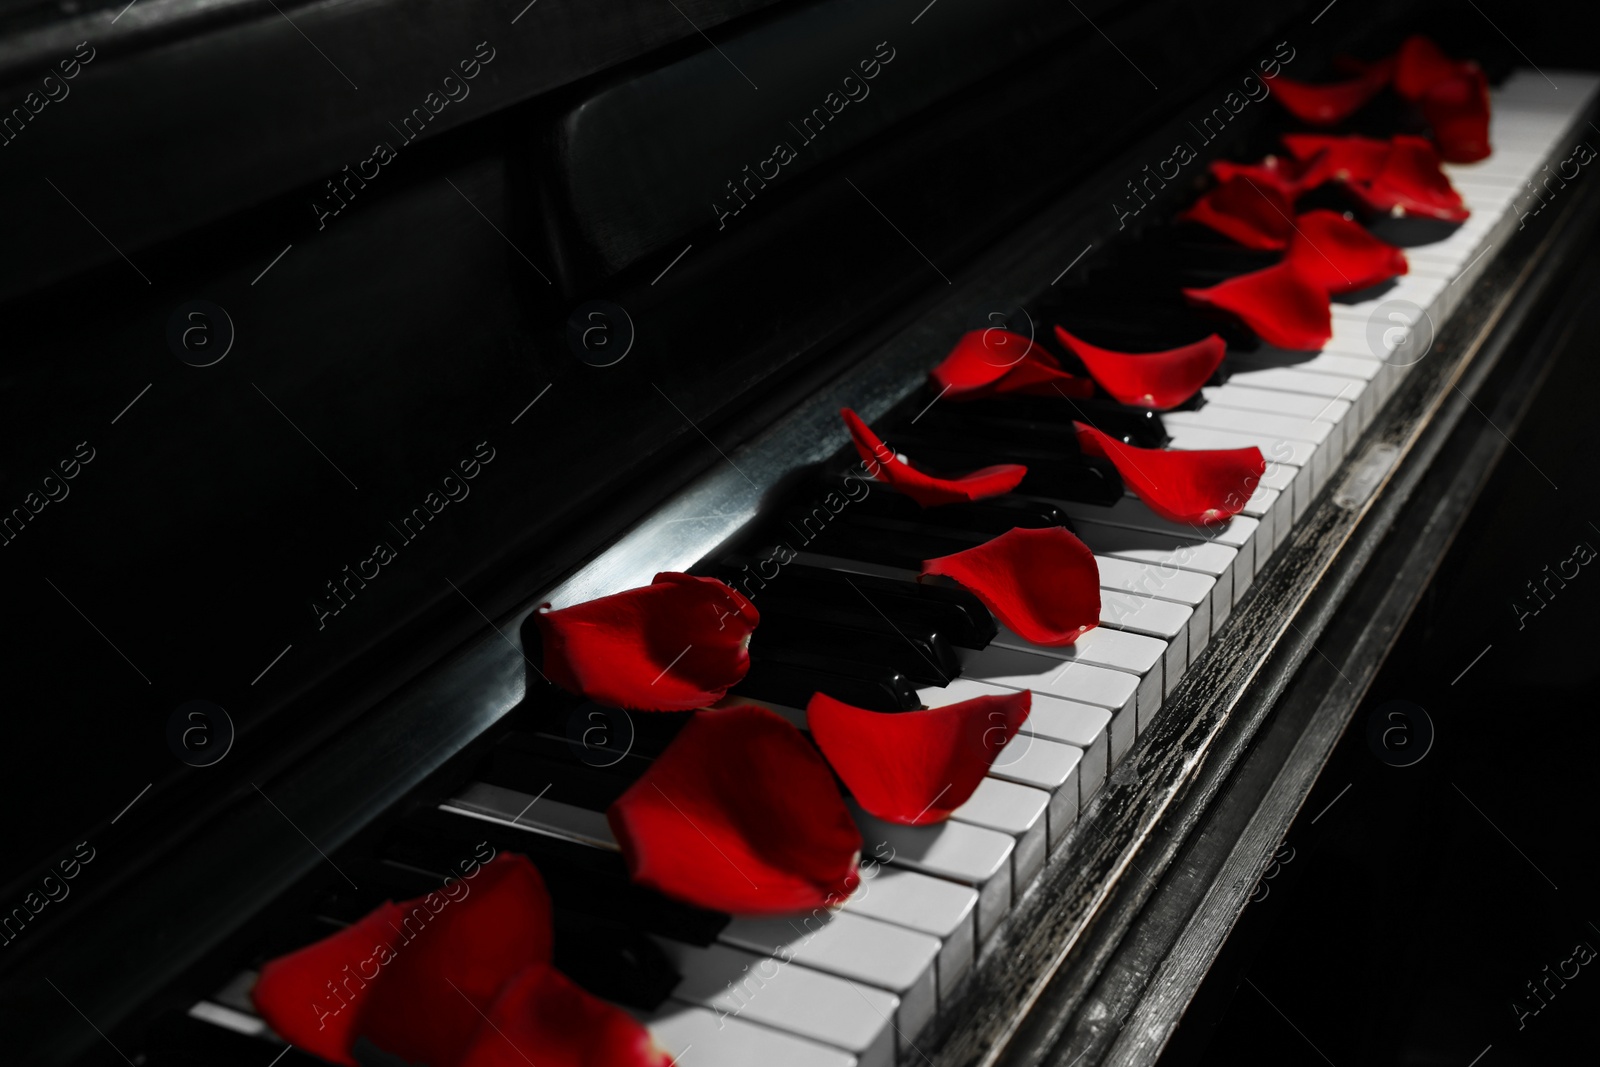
{"x": 856, "y": 986}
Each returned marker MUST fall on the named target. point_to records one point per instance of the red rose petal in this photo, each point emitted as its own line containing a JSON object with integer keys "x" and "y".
{"x": 925, "y": 489}
{"x": 1420, "y": 65}
{"x": 1411, "y": 182}
{"x": 541, "y": 1017}
{"x": 1340, "y": 254}
{"x": 1191, "y": 487}
{"x": 674, "y": 645}
{"x": 1348, "y": 159}
{"x": 1325, "y": 105}
{"x": 1283, "y": 173}
{"x": 1043, "y": 583}
{"x": 1453, "y": 96}
{"x": 1255, "y": 214}
{"x": 389, "y": 977}
{"x": 292, "y": 994}
{"x": 995, "y": 362}
{"x": 1150, "y": 379}
{"x": 1282, "y": 305}
{"x": 915, "y": 767}
{"x": 1458, "y": 110}
{"x": 469, "y": 950}
{"x": 739, "y": 814}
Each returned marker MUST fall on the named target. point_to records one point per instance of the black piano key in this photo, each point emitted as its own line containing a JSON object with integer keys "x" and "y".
{"x": 1041, "y": 421}
{"x": 547, "y": 765}
{"x": 889, "y": 542}
{"x": 920, "y": 653}
{"x": 790, "y": 679}
{"x": 1051, "y": 473}
{"x": 282, "y": 938}
{"x": 594, "y": 735}
{"x": 955, "y": 613}
{"x": 581, "y": 879}
{"x": 614, "y": 961}
{"x": 993, "y": 516}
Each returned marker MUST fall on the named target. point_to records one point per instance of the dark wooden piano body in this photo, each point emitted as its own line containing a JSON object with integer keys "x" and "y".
{"x": 378, "y": 349}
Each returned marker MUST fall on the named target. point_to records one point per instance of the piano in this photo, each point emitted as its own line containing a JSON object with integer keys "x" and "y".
{"x": 367, "y": 329}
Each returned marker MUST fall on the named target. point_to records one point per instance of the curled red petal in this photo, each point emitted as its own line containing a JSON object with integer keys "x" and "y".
{"x": 1411, "y": 182}
{"x": 389, "y": 977}
{"x": 1043, "y": 583}
{"x": 925, "y": 489}
{"x": 1458, "y": 111}
{"x": 1150, "y": 379}
{"x": 1420, "y": 65}
{"x": 1284, "y": 173}
{"x": 675, "y": 645}
{"x": 1325, "y": 105}
{"x": 1340, "y": 254}
{"x": 1282, "y": 305}
{"x": 1192, "y": 487}
{"x": 542, "y": 1017}
{"x": 1256, "y": 214}
{"x": 915, "y": 767}
{"x": 995, "y": 362}
{"x": 292, "y": 995}
{"x": 739, "y": 814}
{"x": 1328, "y": 157}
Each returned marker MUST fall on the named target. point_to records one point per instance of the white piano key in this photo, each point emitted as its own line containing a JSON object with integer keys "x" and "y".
{"x": 1184, "y": 587}
{"x": 703, "y": 1038}
{"x": 1409, "y": 288}
{"x": 1269, "y": 508}
{"x": 1290, "y": 450}
{"x": 1121, "y": 577}
{"x": 509, "y": 807}
{"x": 1237, "y": 533}
{"x": 935, "y": 906}
{"x": 1162, "y": 619}
{"x": 1288, "y": 402}
{"x": 852, "y": 947}
{"x": 1361, "y": 366}
{"x": 1071, "y": 722}
{"x": 1289, "y": 380}
{"x": 1112, "y": 690}
{"x": 961, "y": 852}
{"x": 1118, "y": 649}
{"x": 247, "y": 1023}
{"x": 1026, "y": 813}
{"x": 1162, "y": 550}
{"x": 788, "y": 996}
{"x": 1045, "y": 765}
